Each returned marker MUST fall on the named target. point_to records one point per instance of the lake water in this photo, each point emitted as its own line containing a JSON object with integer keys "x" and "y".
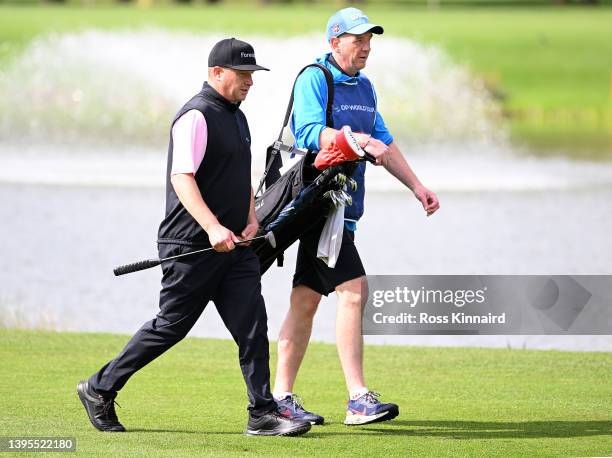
{"x": 61, "y": 240}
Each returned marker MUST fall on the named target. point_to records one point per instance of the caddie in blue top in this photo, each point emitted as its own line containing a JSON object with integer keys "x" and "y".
{"x": 349, "y": 33}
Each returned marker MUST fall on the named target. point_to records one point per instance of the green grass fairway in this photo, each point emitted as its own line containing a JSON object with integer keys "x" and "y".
{"x": 551, "y": 67}
{"x": 191, "y": 401}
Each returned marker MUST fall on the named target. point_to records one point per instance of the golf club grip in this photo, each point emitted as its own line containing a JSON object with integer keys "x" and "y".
{"x": 136, "y": 266}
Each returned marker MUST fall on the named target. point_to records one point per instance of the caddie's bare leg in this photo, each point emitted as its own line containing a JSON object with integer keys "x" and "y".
{"x": 349, "y": 339}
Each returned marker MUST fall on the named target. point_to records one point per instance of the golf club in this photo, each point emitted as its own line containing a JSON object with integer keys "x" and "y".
{"x": 348, "y": 140}
{"x": 148, "y": 263}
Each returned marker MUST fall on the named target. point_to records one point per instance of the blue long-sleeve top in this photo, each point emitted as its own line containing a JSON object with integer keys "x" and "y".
{"x": 310, "y": 100}
{"x": 354, "y": 105}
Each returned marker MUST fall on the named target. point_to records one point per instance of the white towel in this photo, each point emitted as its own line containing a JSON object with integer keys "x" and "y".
{"x": 330, "y": 241}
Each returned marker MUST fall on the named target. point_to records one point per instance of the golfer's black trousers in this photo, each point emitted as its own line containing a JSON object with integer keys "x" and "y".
{"x": 232, "y": 281}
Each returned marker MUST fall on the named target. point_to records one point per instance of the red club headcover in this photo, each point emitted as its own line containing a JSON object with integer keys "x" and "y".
{"x": 343, "y": 148}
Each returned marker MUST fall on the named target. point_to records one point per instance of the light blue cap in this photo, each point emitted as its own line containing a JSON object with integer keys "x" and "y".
{"x": 350, "y": 20}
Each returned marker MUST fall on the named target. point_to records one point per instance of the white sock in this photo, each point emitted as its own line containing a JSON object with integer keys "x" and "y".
{"x": 281, "y": 395}
{"x": 356, "y": 394}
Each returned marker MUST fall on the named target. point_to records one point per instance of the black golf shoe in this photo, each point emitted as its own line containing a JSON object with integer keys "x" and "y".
{"x": 100, "y": 410}
{"x": 274, "y": 424}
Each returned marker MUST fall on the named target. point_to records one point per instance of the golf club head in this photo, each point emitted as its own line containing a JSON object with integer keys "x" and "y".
{"x": 347, "y": 137}
{"x": 352, "y": 141}
{"x": 271, "y": 239}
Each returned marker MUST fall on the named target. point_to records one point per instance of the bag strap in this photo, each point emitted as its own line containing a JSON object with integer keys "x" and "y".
{"x": 272, "y": 156}
{"x": 330, "y": 97}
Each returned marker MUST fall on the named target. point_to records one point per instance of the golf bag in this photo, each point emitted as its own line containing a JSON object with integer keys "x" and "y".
{"x": 294, "y": 202}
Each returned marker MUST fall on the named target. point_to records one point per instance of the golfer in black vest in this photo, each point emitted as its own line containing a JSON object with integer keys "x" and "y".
{"x": 209, "y": 202}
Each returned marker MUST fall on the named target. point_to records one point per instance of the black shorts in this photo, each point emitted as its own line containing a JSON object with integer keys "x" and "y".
{"x": 314, "y": 273}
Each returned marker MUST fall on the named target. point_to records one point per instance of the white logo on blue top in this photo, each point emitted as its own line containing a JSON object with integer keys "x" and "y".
{"x": 354, "y": 107}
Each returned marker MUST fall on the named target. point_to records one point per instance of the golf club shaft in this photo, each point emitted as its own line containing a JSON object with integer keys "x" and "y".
{"x": 368, "y": 157}
{"x": 148, "y": 263}
{"x": 241, "y": 242}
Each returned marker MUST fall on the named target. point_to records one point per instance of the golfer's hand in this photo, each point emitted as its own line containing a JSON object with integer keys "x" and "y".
{"x": 378, "y": 149}
{"x": 428, "y": 199}
{"x": 249, "y": 232}
{"x": 221, "y": 238}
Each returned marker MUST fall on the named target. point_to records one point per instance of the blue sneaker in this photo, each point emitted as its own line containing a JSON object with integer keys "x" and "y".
{"x": 291, "y": 407}
{"x": 368, "y": 409}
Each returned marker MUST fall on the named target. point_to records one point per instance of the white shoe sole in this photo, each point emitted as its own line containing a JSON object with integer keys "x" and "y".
{"x": 356, "y": 419}
{"x": 287, "y": 433}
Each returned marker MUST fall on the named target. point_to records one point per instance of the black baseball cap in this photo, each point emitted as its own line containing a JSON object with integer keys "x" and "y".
{"x": 235, "y": 54}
